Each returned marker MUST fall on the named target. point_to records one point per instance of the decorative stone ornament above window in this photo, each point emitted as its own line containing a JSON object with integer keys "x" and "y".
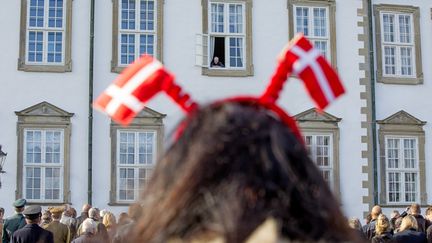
{"x": 398, "y": 45}
{"x": 226, "y": 34}
{"x": 137, "y": 29}
{"x": 402, "y": 160}
{"x": 321, "y": 131}
{"x": 43, "y": 165}
{"x": 134, "y": 153}
{"x": 45, "y": 36}
{"x": 316, "y": 19}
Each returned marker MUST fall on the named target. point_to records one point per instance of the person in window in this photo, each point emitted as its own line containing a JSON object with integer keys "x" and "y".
{"x": 216, "y": 63}
{"x": 235, "y": 173}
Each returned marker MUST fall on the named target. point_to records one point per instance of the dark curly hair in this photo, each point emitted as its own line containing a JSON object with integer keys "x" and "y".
{"x": 234, "y": 166}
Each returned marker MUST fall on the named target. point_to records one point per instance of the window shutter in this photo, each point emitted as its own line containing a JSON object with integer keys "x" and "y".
{"x": 201, "y": 50}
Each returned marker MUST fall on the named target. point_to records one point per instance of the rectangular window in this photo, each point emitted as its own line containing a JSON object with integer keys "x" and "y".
{"x": 137, "y": 29}
{"x": 313, "y": 22}
{"x": 45, "y": 32}
{"x": 398, "y": 44}
{"x": 136, "y": 155}
{"x": 43, "y": 165}
{"x": 320, "y": 149}
{"x": 227, "y": 34}
{"x": 402, "y": 169}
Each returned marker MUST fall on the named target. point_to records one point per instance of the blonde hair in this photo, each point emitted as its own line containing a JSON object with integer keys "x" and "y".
{"x": 382, "y": 224}
{"x": 408, "y": 222}
{"x": 109, "y": 220}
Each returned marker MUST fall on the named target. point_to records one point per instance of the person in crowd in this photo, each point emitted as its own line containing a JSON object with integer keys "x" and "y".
{"x": 46, "y": 219}
{"x": 110, "y": 223}
{"x": 60, "y": 231}
{"x": 397, "y": 225}
{"x": 88, "y": 235}
{"x": 408, "y": 232}
{"x": 1, "y": 221}
{"x": 367, "y": 221}
{"x": 393, "y": 216}
{"x": 235, "y": 167}
{"x": 429, "y": 224}
{"x": 216, "y": 62}
{"x": 415, "y": 211}
{"x": 14, "y": 222}
{"x": 123, "y": 219}
{"x": 355, "y": 224}
{"x": 370, "y": 228}
{"x": 84, "y": 215}
{"x": 101, "y": 231}
{"x": 102, "y": 213}
{"x": 32, "y": 232}
{"x": 68, "y": 218}
{"x": 383, "y": 231}
{"x": 124, "y": 230}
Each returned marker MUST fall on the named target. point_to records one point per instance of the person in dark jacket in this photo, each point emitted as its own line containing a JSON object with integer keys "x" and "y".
{"x": 14, "y": 222}
{"x": 88, "y": 235}
{"x": 84, "y": 215}
{"x": 32, "y": 232}
{"x": 382, "y": 230}
{"x": 416, "y": 212}
{"x": 408, "y": 232}
{"x": 370, "y": 228}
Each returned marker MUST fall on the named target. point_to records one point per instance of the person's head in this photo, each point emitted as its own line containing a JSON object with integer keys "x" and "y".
{"x": 428, "y": 213}
{"x": 19, "y": 205}
{"x": 415, "y": 209}
{"x": 123, "y": 218}
{"x": 233, "y": 167}
{"x": 109, "y": 220}
{"x": 89, "y": 226}
{"x": 46, "y": 217}
{"x": 85, "y": 208}
{"x": 376, "y": 211}
{"x": 408, "y": 222}
{"x": 215, "y": 60}
{"x": 354, "y": 223}
{"x": 94, "y": 213}
{"x": 33, "y": 214}
{"x": 56, "y": 213}
{"x": 72, "y": 212}
{"x": 395, "y": 214}
{"x": 1, "y": 212}
{"x": 382, "y": 225}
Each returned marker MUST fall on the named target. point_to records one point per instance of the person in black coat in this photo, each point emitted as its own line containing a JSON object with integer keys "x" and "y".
{"x": 382, "y": 230}
{"x": 408, "y": 232}
{"x": 32, "y": 232}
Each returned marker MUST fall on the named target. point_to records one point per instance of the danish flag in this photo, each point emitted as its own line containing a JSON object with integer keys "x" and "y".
{"x": 139, "y": 82}
{"x": 305, "y": 61}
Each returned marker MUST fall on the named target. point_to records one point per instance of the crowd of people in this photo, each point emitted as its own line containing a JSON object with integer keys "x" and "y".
{"x": 61, "y": 224}
{"x": 409, "y": 226}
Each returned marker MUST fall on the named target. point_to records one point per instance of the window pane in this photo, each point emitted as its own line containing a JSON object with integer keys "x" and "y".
{"x": 405, "y": 28}
{"x": 235, "y": 18}
{"x": 35, "y": 46}
{"x": 394, "y": 187}
{"x": 388, "y": 24}
{"x": 236, "y": 52}
{"x": 217, "y": 17}
{"x": 127, "y": 148}
{"x": 33, "y": 182}
{"x": 147, "y": 44}
{"x": 36, "y": 13}
{"x": 410, "y": 157}
{"x": 320, "y": 22}
{"x": 127, "y": 48}
{"x": 390, "y": 60}
{"x": 127, "y": 10}
{"x": 126, "y": 184}
{"x": 55, "y": 43}
{"x": 410, "y": 187}
{"x": 55, "y": 14}
{"x": 406, "y": 61}
{"x": 302, "y": 22}
{"x": 393, "y": 153}
{"x": 322, "y": 47}
{"x": 147, "y": 15}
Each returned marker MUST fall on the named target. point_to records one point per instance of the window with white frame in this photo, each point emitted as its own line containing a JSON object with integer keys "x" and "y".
{"x": 402, "y": 169}
{"x": 397, "y": 44}
{"x": 46, "y": 32}
{"x": 313, "y": 22}
{"x": 227, "y": 35}
{"x": 43, "y": 165}
{"x": 320, "y": 147}
{"x": 137, "y": 27}
{"x": 136, "y": 155}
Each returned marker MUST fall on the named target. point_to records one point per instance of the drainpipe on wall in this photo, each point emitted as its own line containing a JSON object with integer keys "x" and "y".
{"x": 90, "y": 111}
{"x": 373, "y": 107}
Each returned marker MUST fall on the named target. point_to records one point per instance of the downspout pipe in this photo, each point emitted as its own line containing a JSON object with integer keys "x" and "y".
{"x": 373, "y": 103}
{"x": 90, "y": 108}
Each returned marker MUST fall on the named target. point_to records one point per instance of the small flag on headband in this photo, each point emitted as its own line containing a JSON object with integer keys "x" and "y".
{"x": 138, "y": 83}
{"x": 305, "y": 61}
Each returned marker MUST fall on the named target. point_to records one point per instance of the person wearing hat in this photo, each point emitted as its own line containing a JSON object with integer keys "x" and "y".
{"x": 32, "y": 232}
{"x": 60, "y": 231}
{"x": 14, "y": 222}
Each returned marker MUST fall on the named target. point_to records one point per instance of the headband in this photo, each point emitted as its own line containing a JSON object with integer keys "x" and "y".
{"x": 144, "y": 78}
